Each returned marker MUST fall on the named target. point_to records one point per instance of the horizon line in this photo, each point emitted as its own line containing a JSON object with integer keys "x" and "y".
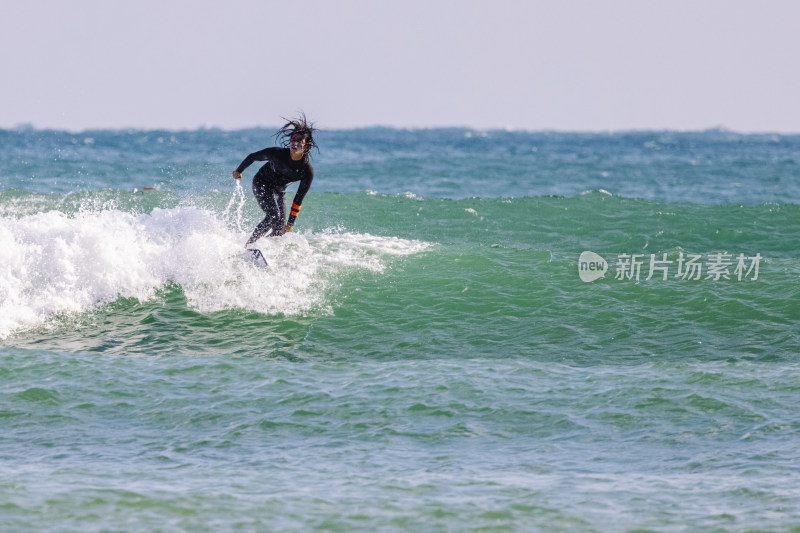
{"x": 25, "y": 126}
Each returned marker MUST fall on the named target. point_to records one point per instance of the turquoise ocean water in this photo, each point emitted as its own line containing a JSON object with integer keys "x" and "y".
{"x": 468, "y": 331}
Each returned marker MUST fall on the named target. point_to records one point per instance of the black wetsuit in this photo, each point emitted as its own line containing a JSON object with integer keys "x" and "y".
{"x": 269, "y": 187}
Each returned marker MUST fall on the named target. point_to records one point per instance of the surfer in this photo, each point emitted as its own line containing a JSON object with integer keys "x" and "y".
{"x": 283, "y": 166}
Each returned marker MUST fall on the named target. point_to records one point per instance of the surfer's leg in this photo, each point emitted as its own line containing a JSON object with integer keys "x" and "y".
{"x": 264, "y": 227}
{"x": 272, "y": 203}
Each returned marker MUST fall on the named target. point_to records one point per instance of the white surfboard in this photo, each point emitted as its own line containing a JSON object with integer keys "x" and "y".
{"x": 254, "y": 255}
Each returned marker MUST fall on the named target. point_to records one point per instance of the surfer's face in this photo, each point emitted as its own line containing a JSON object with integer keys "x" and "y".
{"x": 297, "y": 144}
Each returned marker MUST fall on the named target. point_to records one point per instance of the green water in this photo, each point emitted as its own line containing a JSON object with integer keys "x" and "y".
{"x": 422, "y": 354}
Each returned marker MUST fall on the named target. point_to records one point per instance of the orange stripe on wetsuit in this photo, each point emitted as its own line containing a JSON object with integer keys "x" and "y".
{"x": 293, "y": 213}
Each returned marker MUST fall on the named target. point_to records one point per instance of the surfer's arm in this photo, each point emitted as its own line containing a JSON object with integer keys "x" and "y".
{"x": 261, "y": 155}
{"x": 298, "y": 200}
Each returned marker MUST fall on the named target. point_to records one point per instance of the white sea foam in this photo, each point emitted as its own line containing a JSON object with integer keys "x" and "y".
{"x": 596, "y": 191}
{"x": 52, "y": 263}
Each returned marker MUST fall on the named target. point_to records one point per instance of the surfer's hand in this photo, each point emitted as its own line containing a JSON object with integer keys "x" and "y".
{"x": 237, "y": 175}
{"x": 287, "y": 228}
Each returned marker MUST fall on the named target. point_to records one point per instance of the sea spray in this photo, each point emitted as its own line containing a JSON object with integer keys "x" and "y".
{"x": 55, "y": 263}
{"x": 237, "y": 200}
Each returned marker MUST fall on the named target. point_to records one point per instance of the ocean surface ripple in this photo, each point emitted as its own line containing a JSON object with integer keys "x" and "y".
{"x": 468, "y": 331}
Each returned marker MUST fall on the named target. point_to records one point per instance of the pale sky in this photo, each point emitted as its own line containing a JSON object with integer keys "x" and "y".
{"x": 576, "y": 65}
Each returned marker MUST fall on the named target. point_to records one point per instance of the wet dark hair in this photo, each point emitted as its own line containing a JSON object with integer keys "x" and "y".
{"x": 301, "y": 126}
